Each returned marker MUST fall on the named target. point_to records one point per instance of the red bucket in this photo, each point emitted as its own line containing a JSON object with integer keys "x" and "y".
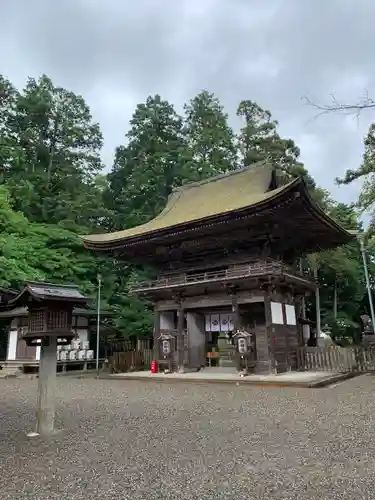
{"x": 154, "y": 367}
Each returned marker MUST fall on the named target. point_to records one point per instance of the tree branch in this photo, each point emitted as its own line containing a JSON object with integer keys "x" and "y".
{"x": 336, "y": 106}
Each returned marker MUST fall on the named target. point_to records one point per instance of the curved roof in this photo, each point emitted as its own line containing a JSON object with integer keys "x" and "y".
{"x": 250, "y": 187}
{"x": 199, "y": 200}
{"x": 43, "y": 291}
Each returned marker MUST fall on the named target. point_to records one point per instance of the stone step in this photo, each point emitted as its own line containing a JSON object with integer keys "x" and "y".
{"x": 226, "y": 356}
{"x": 10, "y": 373}
{"x": 10, "y": 370}
{"x": 226, "y": 363}
{"x": 230, "y": 349}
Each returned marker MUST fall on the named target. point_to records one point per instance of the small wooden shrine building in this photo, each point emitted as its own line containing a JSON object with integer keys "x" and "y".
{"x": 227, "y": 250}
{"x": 17, "y": 352}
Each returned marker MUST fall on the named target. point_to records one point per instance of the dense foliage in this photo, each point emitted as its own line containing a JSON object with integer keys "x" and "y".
{"x": 53, "y": 189}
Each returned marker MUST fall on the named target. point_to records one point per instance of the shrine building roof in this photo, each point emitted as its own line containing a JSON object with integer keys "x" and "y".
{"x": 249, "y": 189}
{"x": 42, "y": 291}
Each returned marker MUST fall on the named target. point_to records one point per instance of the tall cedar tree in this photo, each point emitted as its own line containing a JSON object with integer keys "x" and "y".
{"x": 209, "y": 136}
{"x": 146, "y": 169}
{"x": 54, "y": 157}
{"x": 259, "y": 140}
{"x": 154, "y": 160}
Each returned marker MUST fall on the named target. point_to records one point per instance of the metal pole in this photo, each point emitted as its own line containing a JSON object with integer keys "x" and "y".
{"x": 98, "y": 325}
{"x": 303, "y": 302}
{"x": 317, "y": 301}
{"x": 363, "y": 252}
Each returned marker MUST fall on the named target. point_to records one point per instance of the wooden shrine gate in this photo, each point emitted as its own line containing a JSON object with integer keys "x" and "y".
{"x": 336, "y": 359}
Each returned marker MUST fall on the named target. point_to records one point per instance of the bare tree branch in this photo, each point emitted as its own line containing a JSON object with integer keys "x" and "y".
{"x": 336, "y": 106}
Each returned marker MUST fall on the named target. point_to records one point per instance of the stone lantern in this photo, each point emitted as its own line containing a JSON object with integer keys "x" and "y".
{"x": 50, "y": 309}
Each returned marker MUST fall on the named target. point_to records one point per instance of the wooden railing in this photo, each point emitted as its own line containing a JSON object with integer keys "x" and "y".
{"x": 336, "y": 359}
{"x": 254, "y": 269}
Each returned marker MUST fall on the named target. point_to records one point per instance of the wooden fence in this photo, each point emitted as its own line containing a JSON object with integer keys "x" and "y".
{"x": 336, "y": 359}
{"x": 128, "y": 345}
{"x": 124, "y": 361}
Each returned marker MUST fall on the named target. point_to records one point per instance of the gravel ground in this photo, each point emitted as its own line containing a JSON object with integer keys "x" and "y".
{"x": 145, "y": 440}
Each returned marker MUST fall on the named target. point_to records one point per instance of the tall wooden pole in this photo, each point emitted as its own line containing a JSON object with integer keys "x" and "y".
{"x": 180, "y": 340}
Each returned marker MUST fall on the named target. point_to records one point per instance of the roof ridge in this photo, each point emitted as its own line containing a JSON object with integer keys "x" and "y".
{"x": 47, "y": 283}
{"x": 178, "y": 191}
{"x": 218, "y": 177}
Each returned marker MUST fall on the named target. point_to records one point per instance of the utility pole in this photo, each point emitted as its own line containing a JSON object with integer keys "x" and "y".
{"x": 303, "y": 303}
{"x": 363, "y": 252}
{"x": 317, "y": 300}
{"x": 360, "y": 237}
{"x": 99, "y": 277}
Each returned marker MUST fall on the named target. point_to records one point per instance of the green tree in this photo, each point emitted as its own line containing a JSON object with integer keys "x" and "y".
{"x": 50, "y": 193}
{"x": 54, "y": 155}
{"x": 37, "y": 251}
{"x": 259, "y": 140}
{"x": 208, "y": 135}
{"x": 366, "y": 172}
{"x": 149, "y": 166}
{"x": 154, "y": 160}
{"x": 11, "y": 154}
{"x": 341, "y": 277}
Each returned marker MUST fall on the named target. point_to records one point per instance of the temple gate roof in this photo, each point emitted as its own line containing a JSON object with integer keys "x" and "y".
{"x": 248, "y": 190}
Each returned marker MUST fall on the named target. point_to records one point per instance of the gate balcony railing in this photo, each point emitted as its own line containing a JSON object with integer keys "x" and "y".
{"x": 251, "y": 270}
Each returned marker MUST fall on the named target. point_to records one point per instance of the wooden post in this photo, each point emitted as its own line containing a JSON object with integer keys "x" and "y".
{"x": 300, "y": 313}
{"x": 236, "y": 313}
{"x": 269, "y": 332}
{"x": 47, "y": 387}
{"x": 180, "y": 340}
{"x": 236, "y": 325}
{"x": 156, "y": 333}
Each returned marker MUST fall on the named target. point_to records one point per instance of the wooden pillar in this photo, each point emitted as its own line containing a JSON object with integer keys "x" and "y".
{"x": 265, "y": 359}
{"x": 300, "y": 313}
{"x": 236, "y": 313}
{"x": 180, "y": 340}
{"x": 156, "y": 333}
{"x": 236, "y": 324}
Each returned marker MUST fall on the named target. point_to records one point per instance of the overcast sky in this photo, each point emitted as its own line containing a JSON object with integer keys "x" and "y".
{"x": 116, "y": 52}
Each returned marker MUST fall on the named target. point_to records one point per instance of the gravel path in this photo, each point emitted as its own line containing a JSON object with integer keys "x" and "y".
{"x": 144, "y": 440}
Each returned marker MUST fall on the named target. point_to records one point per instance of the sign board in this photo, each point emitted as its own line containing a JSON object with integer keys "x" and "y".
{"x": 277, "y": 313}
{"x": 290, "y": 313}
